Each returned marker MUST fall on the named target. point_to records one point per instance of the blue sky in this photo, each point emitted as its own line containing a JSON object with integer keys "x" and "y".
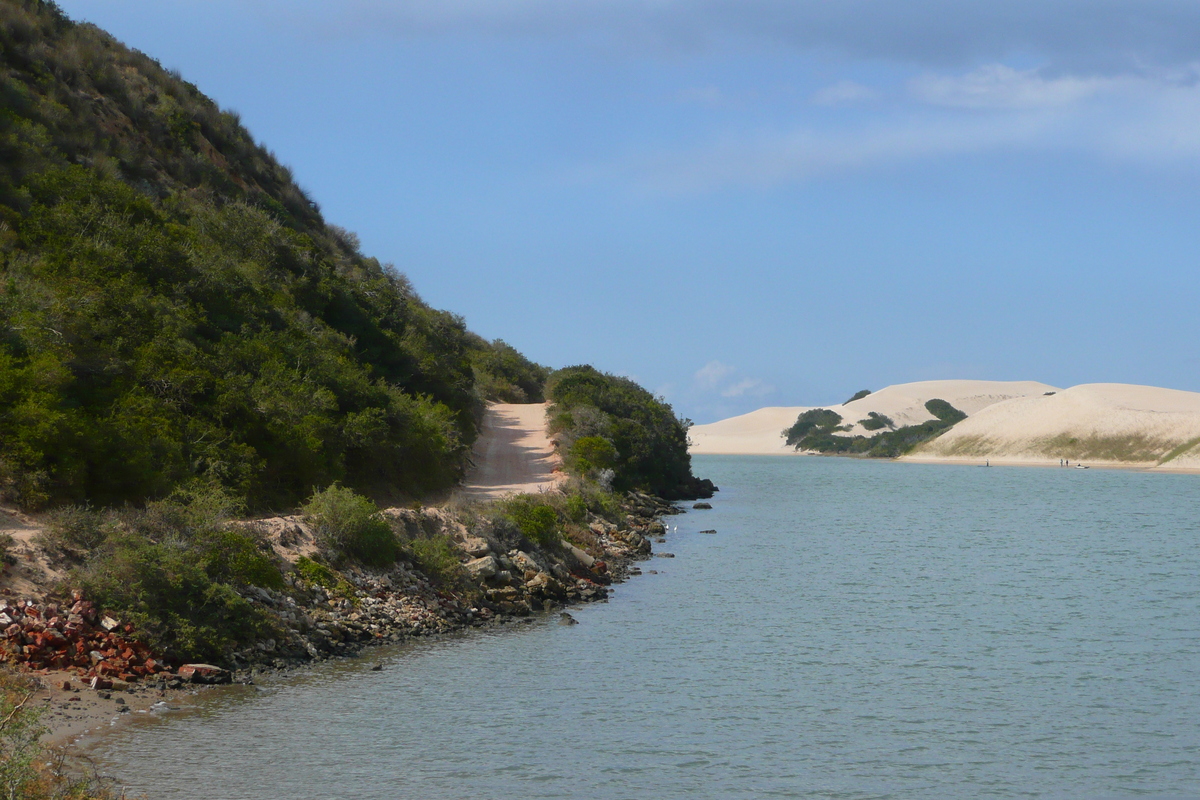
{"x": 743, "y": 203}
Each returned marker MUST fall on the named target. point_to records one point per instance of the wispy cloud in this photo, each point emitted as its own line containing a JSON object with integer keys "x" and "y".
{"x": 711, "y": 374}
{"x": 1101, "y": 35}
{"x": 749, "y": 386}
{"x": 844, "y": 93}
{"x": 1146, "y": 120}
{"x": 997, "y": 86}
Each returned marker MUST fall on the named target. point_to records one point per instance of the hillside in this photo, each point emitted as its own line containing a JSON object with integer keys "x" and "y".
{"x": 758, "y": 433}
{"x": 1099, "y": 423}
{"x": 174, "y": 308}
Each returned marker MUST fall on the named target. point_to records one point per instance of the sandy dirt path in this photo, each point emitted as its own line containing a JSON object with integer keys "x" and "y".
{"x": 513, "y": 454}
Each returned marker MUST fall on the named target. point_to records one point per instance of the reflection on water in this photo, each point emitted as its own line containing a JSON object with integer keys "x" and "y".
{"x": 854, "y": 629}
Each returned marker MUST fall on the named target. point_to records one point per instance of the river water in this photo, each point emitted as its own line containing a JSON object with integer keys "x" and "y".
{"x": 854, "y": 629}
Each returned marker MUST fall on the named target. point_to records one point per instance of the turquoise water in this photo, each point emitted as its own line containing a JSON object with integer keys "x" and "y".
{"x": 854, "y": 629}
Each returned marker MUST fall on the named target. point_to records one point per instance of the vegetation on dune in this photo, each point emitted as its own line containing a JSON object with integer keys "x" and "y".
{"x": 876, "y": 421}
{"x": 818, "y": 430}
{"x": 647, "y": 445}
{"x": 174, "y": 307}
{"x": 859, "y": 395}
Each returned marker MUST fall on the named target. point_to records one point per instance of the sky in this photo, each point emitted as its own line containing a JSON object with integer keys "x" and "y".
{"x": 745, "y": 203}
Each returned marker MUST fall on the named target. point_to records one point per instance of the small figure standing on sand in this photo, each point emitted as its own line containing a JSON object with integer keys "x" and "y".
{"x": 1060, "y": 462}
{"x": 987, "y": 462}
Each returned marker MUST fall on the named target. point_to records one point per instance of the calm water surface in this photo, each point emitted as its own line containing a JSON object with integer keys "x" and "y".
{"x": 854, "y": 629}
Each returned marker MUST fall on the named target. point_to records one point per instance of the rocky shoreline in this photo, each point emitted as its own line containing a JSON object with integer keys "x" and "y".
{"x": 502, "y": 578}
{"x": 507, "y": 579}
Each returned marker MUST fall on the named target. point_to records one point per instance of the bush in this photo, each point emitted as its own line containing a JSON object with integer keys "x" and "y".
{"x": 438, "y": 558}
{"x": 6, "y": 544}
{"x": 876, "y": 421}
{"x": 349, "y": 525}
{"x": 536, "y": 520}
{"x": 166, "y": 591}
{"x": 944, "y": 411}
{"x": 74, "y": 531}
{"x": 815, "y": 419}
{"x": 318, "y": 574}
{"x": 576, "y": 508}
{"x": 591, "y": 453}
{"x": 859, "y": 395}
{"x": 649, "y": 443}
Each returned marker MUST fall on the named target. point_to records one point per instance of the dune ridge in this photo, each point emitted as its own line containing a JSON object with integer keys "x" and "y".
{"x": 1008, "y": 422}
{"x": 1100, "y": 424}
{"x": 758, "y": 433}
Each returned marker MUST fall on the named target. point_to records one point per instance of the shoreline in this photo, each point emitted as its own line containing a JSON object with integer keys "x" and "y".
{"x": 390, "y": 607}
{"x": 974, "y": 461}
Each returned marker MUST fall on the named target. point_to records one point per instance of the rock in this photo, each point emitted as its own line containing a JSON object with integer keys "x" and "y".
{"x": 204, "y": 673}
{"x": 664, "y": 555}
{"x": 566, "y": 619}
{"x": 702, "y": 506}
{"x": 66, "y": 686}
{"x": 109, "y": 624}
{"x": 656, "y": 528}
{"x": 377, "y": 668}
{"x": 581, "y": 556}
{"x": 482, "y": 568}
{"x": 475, "y": 546}
{"x": 120, "y": 701}
{"x": 708, "y": 531}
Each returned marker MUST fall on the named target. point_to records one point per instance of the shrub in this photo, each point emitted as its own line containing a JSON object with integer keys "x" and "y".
{"x": 6, "y": 543}
{"x": 944, "y": 411}
{"x": 349, "y": 525}
{"x": 650, "y": 444}
{"x": 237, "y": 557}
{"x": 165, "y": 590}
{"x": 536, "y": 520}
{"x": 74, "y": 531}
{"x": 438, "y": 558}
{"x": 591, "y": 453}
{"x": 576, "y": 508}
{"x": 318, "y": 574}
{"x": 815, "y": 419}
{"x": 859, "y": 395}
{"x": 876, "y": 421}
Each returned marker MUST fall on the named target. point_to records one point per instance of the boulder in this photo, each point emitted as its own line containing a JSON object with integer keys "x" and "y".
{"x": 475, "y": 546}
{"x": 580, "y": 556}
{"x": 482, "y": 568}
{"x": 204, "y": 673}
{"x": 702, "y": 506}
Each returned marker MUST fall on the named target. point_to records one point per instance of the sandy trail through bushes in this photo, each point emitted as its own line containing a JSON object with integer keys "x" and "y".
{"x": 513, "y": 454}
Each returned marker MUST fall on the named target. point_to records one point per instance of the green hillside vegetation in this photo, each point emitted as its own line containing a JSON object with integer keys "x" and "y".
{"x": 818, "y": 430}
{"x": 859, "y": 395}
{"x": 604, "y": 423}
{"x": 875, "y": 421}
{"x": 173, "y": 307}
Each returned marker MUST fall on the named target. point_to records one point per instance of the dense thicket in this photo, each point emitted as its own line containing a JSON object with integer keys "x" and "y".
{"x": 819, "y": 429}
{"x": 648, "y": 444}
{"x": 173, "y": 307}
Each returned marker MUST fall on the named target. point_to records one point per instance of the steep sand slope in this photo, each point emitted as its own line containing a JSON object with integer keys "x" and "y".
{"x": 758, "y": 433}
{"x": 1096, "y": 423}
{"x": 513, "y": 454}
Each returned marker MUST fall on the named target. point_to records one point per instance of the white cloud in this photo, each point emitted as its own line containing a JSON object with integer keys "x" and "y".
{"x": 844, "y": 93}
{"x": 711, "y": 374}
{"x": 997, "y": 86}
{"x": 748, "y": 386}
{"x": 1147, "y": 120}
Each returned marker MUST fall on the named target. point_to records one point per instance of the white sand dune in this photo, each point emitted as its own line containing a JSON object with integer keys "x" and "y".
{"x": 1098, "y": 423}
{"x": 758, "y": 433}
